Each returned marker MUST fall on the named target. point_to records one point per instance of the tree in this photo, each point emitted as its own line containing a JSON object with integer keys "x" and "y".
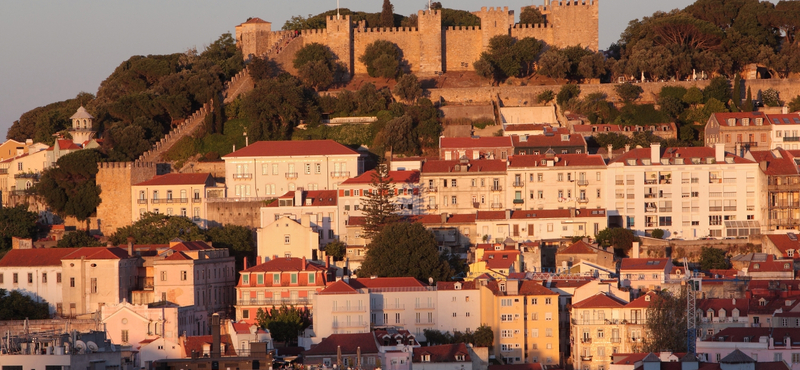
{"x": 713, "y": 258}
{"x": 237, "y": 239}
{"x": 628, "y": 92}
{"x": 483, "y": 336}
{"x": 616, "y": 237}
{"x": 748, "y": 103}
{"x": 693, "y": 96}
{"x": 378, "y": 207}
{"x": 483, "y": 66}
{"x": 16, "y": 222}
{"x": 554, "y": 64}
{"x": 719, "y": 88}
{"x": 737, "y": 92}
{"x": 666, "y": 323}
{"x": 317, "y": 65}
{"x": 69, "y": 188}
{"x": 657, "y": 233}
{"x": 284, "y": 323}
{"x": 16, "y": 306}
{"x": 274, "y": 108}
{"x": 405, "y": 249}
{"x": 545, "y": 97}
{"x": 155, "y": 228}
{"x": 398, "y": 135}
{"x": 794, "y": 105}
{"x": 78, "y": 239}
{"x": 408, "y": 88}
{"x": 770, "y": 97}
{"x": 260, "y": 69}
{"x": 387, "y": 14}
{"x": 382, "y": 59}
{"x": 336, "y": 250}
{"x": 567, "y": 92}
{"x": 531, "y": 15}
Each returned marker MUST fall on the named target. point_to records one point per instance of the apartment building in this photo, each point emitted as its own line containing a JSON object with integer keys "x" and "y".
{"x": 754, "y": 346}
{"x": 321, "y": 206}
{"x": 173, "y": 194}
{"x": 474, "y": 148}
{"x": 407, "y": 197}
{"x": 289, "y": 281}
{"x": 739, "y": 131}
{"x": 644, "y": 273}
{"x": 459, "y": 306}
{"x": 530, "y": 225}
{"x": 603, "y": 325}
{"x": 689, "y": 193}
{"x": 556, "y": 181}
{"x": 782, "y": 172}
{"x": 94, "y": 277}
{"x": 524, "y": 318}
{"x": 785, "y": 131}
{"x": 35, "y": 273}
{"x": 556, "y": 140}
{"x": 583, "y": 251}
{"x": 267, "y": 169}
{"x": 717, "y": 314}
{"x": 463, "y": 186}
{"x": 127, "y": 324}
{"x": 286, "y": 237}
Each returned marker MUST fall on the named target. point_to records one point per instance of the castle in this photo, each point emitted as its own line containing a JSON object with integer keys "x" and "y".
{"x": 428, "y": 48}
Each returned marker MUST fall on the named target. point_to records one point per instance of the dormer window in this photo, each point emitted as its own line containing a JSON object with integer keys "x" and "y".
{"x": 790, "y": 252}
{"x": 460, "y": 357}
{"x": 762, "y": 302}
{"x": 647, "y": 298}
{"x": 426, "y": 358}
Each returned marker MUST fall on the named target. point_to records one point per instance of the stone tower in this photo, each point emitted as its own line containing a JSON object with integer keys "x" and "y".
{"x": 430, "y": 31}
{"x": 115, "y": 180}
{"x": 495, "y": 21}
{"x": 340, "y": 39}
{"x": 565, "y": 15}
{"x": 254, "y": 37}
{"x": 82, "y": 130}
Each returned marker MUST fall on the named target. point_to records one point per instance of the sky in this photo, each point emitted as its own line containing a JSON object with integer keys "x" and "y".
{"x": 51, "y": 50}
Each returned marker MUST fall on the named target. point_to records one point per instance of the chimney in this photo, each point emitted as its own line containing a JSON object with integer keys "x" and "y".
{"x": 305, "y": 220}
{"x": 785, "y": 109}
{"x": 327, "y": 262}
{"x": 508, "y": 214}
{"x": 215, "y": 336}
{"x": 298, "y": 197}
{"x": 627, "y": 147}
{"x": 303, "y": 266}
{"x": 258, "y": 260}
{"x": 274, "y": 256}
{"x": 130, "y": 246}
{"x": 610, "y": 151}
{"x": 245, "y": 262}
{"x": 512, "y": 287}
{"x": 635, "y": 250}
{"x": 719, "y": 152}
{"x": 444, "y": 218}
{"x": 655, "y": 153}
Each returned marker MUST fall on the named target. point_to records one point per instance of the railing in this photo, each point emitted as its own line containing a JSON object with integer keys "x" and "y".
{"x": 583, "y": 200}
{"x": 272, "y": 301}
{"x": 666, "y": 209}
{"x": 619, "y": 196}
{"x": 749, "y": 143}
{"x": 665, "y": 195}
{"x": 650, "y": 181}
{"x": 631, "y": 196}
{"x": 791, "y": 138}
{"x": 715, "y": 180}
{"x": 340, "y": 174}
{"x": 586, "y": 358}
{"x": 141, "y": 201}
{"x": 586, "y": 340}
{"x": 349, "y": 325}
{"x": 242, "y": 176}
{"x": 238, "y": 199}
{"x": 583, "y": 182}
{"x": 389, "y": 307}
{"x": 650, "y": 195}
{"x": 497, "y": 205}
{"x": 349, "y": 309}
{"x": 650, "y": 209}
{"x": 519, "y": 201}
{"x": 3, "y": 171}
{"x": 518, "y": 184}
{"x": 425, "y": 306}
{"x": 155, "y": 201}
{"x": 714, "y": 209}
{"x": 616, "y": 340}
{"x": 429, "y": 323}
{"x": 291, "y": 175}
{"x": 433, "y": 189}
{"x": 620, "y": 182}
{"x": 729, "y": 208}
{"x": 666, "y": 181}
{"x": 27, "y": 176}
{"x": 197, "y": 200}
{"x": 496, "y": 188}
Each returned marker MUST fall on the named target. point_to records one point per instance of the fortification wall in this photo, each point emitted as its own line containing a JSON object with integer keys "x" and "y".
{"x": 540, "y": 31}
{"x": 243, "y": 213}
{"x": 462, "y": 44}
{"x": 115, "y": 180}
{"x": 407, "y": 39}
{"x": 576, "y": 23}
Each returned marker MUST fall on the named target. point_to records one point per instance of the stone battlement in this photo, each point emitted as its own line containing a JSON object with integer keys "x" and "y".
{"x": 536, "y": 25}
{"x": 463, "y": 28}
{"x": 387, "y": 30}
{"x": 124, "y": 165}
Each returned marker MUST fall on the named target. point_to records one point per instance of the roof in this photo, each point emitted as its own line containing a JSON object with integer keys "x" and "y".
{"x": 339, "y": 287}
{"x": 244, "y": 328}
{"x": 398, "y": 177}
{"x": 195, "y": 343}
{"x": 451, "y": 285}
{"x": 511, "y": 127}
{"x": 178, "y": 256}
{"x": 450, "y": 219}
{"x": 644, "y": 263}
{"x": 190, "y": 246}
{"x": 64, "y": 144}
{"x": 727, "y": 304}
{"x": 722, "y": 118}
{"x": 558, "y": 213}
{"x": 255, "y": 20}
{"x": 771, "y": 265}
{"x": 600, "y": 300}
{"x": 596, "y": 128}
{"x": 318, "y": 198}
{"x": 778, "y": 161}
{"x": 348, "y": 343}
{"x": 737, "y": 357}
{"x": 579, "y": 247}
{"x": 286, "y": 264}
{"x": 97, "y": 253}
{"x": 784, "y": 119}
{"x": 640, "y": 155}
{"x": 642, "y": 302}
{"x": 533, "y": 366}
{"x": 35, "y": 257}
{"x": 81, "y": 114}
{"x": 475, "y": 142}
{"x": 786, "y": 242}
{"x": 290, "y": 148}
{"x": 497, "y": 260}
{"x": 442, "y": 353}
{"x": 472, "y": 165}
{"x": 386, "y": 282}
{"x": 560, "y": 160}
{"x": 491, "y": 215}
{"x": 529, "y": 287}
{"x": 545, "y": 141}
{"x": 177, "y": 179}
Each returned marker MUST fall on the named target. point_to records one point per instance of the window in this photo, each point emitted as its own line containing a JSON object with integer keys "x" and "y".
{"x": 1, "y": 278}
{"x": 548, "y": 332}
{"x": 72, "y": 282}
{"x": 453, "y": 183}
{"x": 548, "y": 301}
{"x": 287, "y": 239}
{"x": 163, "y": 276}
{"x": 245, "y": 279}
{"x": 30, "y": 278}
{"x": 124, "y": 336}
{"x": 276, "y": 279}
{"x": 506, "y": 302}
{"x": 94, "y": 285}
{"x": 16, "y": 278}
{"x": 260, "y": 279}
{"x": 44, "y": 278}
{"x": 548, "y": 316}
{"x": 294, "y": 278}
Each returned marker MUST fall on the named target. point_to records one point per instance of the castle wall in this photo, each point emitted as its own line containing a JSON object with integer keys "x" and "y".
{"x": 244, "y": 213}
{"x": 538, "y": 31}
{"x": 430, "y": 39}
{"x": 407, "y": 39}
{"x": 494, "y": 22}
{"x": 576, "y": 21}
{"x": 463, "y": 46}
{"x": 115, "y": 180}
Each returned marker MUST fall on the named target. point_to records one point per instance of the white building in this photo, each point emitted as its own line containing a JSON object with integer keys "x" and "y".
{"x": 321, "y": 206}
{"x": 459, "y": 306}
{"x": 35, "y": 273}
{"x": 785, "y": 130}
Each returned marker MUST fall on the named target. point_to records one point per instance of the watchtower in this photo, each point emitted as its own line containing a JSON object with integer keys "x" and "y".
{"x": 82, "y": 130}
{"x": 430, "y": 33}
{"x": 495, "y": 21}
{"x": 340, "y": 39}
{"x": 575, "y": 22}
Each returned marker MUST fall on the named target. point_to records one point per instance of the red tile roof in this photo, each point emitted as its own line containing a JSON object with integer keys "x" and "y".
{"x": 35, "y": 257}
{"x": 178, "y": 256}
{"x": 474, "y": 165}
{"x": 600, "y": 128}
{"x": 442, "y": 353}
{"x": 356, "y": 221}
{"x": 778, "y": 161}
{"x": 191, "y": 246}
{"x": 475, "y": 142}
{"x": 348, "y": 343}
{"x": 339, "y": 287}
{"x": 97, "y": 253}
{"x": 600, "y": 300}
{"x": 548, "y": 141}
{"x": 529, "y": 287}
{"x": 561, "y": 160}
{"x": 318, "y": 198}
{"x": 398, "y": 177}
{"x": 178, "y": 179}
{"x": 451, "y": 285}
{"x": 255, "y": 20}
{"x": 533, "y": 366}
{"x": 644, "y": 263}
{"x": 386, "y": 282}
{"x": 196, "y": 343}
{"x": 644, "y": 301}
{"x": 722, "y": 118}
{"x": 785, "y": 243}
{"x": 771, "y": 265}
{"x": 65, "y": 144}
{"x": 286, "y": 264}
{"x": 558, "y": 213}
{"x": 682, "y": 152}
{"x": 728, "y": 304}
{"x": 496, "y": 260}
{"x": 292, "y": 148}
{"x": 244, "y": 328}
{"x": 579, "y": 247}
{"x": 784, "y": 119}
{"x": 526, "y": 127}
{"x": 491, "y": 215}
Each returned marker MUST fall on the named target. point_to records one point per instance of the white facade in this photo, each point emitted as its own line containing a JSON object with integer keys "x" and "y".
{"x": 41, "y": 283}
{"x": 459, "y": 308}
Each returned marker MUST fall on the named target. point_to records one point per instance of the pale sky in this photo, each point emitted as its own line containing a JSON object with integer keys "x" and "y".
{"x": 52, "y": 50}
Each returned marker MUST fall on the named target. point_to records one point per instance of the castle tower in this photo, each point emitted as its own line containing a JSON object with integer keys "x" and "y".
{"x": 253, "y": 37}
{"x": 495, "y": 21}
{"x": 565, "y": 15}
{"x": 430, "y": 35}
{"x": 340, "y": 39}
{"x": 115, "y": 180}
{"x": 82, "y": 130}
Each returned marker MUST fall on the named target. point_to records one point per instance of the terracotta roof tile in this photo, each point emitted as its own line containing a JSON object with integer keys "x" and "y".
{"x": 529, "y": 287}
{"x": 644, "y": 263}
{"x": 35, "y": 257}
{"x": 386, "y": 282}
{"x": 562, "y": 160}
{"x": 784, "y": 119}
{"x": 680, "y": 152}
{"x": 318, "y": 198}
{"x": 643, "y": 302}
{"x": 533, "y": 366}
{"x": 451, "y": 285}
{"x": 178, "y": 179}
{"x": 579, "y": 247}
{"x": 491, "y": 215}
{"x": 784, "y": 243}
{"x": 196, "y": 343}
{"x": 600, "y": 300}
{"x": 548, "y": 141}
{"x": 398, "y": 177}
{"x": 339, "y": 287}
{"x": 442, "y": 353}
{"x": 475, "y": 142}
{"x": 526, "y": 127}
{"x": 292, "y": 148}
{"x": 98, "y": 253}
{"x": 500, "y": 259}
{"x": 722, "y": 118}
{"x": 349, "y": 344}
{"x": 474, "y": 165}
{"x": 178, "y": 256}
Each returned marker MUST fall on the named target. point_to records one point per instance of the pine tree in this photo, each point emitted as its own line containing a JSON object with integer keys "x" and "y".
{"x": 748, "y": 104}
{"x": 387, "y": 14}
{"x": 379, "y": 208}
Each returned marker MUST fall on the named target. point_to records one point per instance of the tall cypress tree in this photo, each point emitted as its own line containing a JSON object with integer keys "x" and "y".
{"x": 748, "y": 104}
{"x": 737, "y": 92}
{"x": 379, "y": 208}
{"x": 387, "y": 14}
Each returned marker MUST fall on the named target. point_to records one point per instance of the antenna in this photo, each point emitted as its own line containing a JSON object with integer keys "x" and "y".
{"x": 337, "y": 9}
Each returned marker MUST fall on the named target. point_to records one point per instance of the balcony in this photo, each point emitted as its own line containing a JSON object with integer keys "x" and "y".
{"x": 650, "y": 181}
{"x": 496, "y": 188}
{"x": 242, "y": 176}
{"x": 291, "y": 175}
{"x": 342, "y": 325}
{"x": 197, "y": 200}
{"x": 518, "y": 184}
{"x": 750, "y": 144}
{"x": 425, "y": 306}
{"x": 432, "y": 206}
{"x": 519, "y": 201}
{"x": 141, "y": 201}
{"x": 666, "y": 209}
{"x": 616, "y": 340}
{"x": 636, "y": 340}
{"x": 272, "y": 301}
{"x": 586, "y": 340}
{"x": 354, "y": 309}
{"x": 497, "y": 205}
{"x": 619, "y": 182}
{"x": 583, "y": 182}
{"x": 389, "y": 307}
{"x": 433, "y": 189}
{"x": 619, "y": 196}
{"x": 730, "y": 208}
{"x": 156, "y": 201}
{"x": 714, "y": 180}
{"x": 345, "y": 174}
{"x": 586, "y": 358}
{"x": 429, "y": 323}
{"x": 3, "y": 171}
{"x": 714, "y": 209}
{"x": 583, "y": 200}
{"x": 650, "y": 196}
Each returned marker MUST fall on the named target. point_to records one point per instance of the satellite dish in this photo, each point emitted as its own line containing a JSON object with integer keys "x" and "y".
{"x": 113, "y": 347}
{"x": 92, "y": 346}
{"x": 80, "y": 346}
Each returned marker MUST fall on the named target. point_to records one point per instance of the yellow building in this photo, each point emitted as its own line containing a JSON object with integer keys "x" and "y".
{"x": 497, "y": 263}
{"x": 524, "y": 318}
{"x": 173, "y": 194}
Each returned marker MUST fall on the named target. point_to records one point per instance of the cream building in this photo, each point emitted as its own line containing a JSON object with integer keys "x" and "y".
{"x": 531, "y": 225}
{"x": 689, "y": 193}
{"x": 785, "y": 130}
{"x": 464, "y": 186}
{"x": 267, "y": 169}
{"x": 459, "y": 306}
{"x": 35, "y": 273}
{"x": 320, "y": 206}
{"x": 173, "y": 194}
{"x": 556, "y": 181}
{"x": 95, "y": 277}
{"x": 288, "y": 237}
{"x": 408, "y": 201}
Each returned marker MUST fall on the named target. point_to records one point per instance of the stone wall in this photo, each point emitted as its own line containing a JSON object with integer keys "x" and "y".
{"x": 461, "y": 46}
{"x": 17, "y": 327}
{"x": 115, "y": 180}
{"x": 407, "y": 39}
{"x": 233, "y": 212}
{"x": 576, "y": 23}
